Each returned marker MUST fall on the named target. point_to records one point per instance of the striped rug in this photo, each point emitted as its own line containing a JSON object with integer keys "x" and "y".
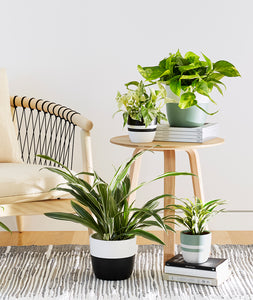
{"x": 64, "y": 272}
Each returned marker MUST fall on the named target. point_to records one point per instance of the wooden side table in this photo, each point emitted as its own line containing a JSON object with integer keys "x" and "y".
{"x": 169, "y": 149}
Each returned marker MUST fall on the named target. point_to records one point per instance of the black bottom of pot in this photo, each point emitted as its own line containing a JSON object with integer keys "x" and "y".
{"x": 113, "y": 269}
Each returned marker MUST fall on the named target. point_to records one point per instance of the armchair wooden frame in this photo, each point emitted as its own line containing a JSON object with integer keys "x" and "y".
{"x": 46, "y": 116}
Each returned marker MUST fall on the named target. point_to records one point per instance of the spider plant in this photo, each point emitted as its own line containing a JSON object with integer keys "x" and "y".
{"x": 104, "y": 208}
{"x": 196, "y": 214}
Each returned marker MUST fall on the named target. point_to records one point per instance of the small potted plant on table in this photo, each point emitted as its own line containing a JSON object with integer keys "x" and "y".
{"x": 104, "y": 208}
{"x": 141, "y": 110}
{"x": 189, "y": 82}
{"x": 196, "y": 240}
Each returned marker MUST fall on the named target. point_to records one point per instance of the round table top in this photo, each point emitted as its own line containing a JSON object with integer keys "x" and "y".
{"x": 124, "y": 141}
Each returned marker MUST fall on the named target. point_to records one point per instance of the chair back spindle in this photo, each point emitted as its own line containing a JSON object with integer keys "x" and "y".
{"x": 46, "y": 128}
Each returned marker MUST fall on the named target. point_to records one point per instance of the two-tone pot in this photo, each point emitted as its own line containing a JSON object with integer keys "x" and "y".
{"x": 112, "y": 260}
{"x": 195, "y": 248}
{"x": 139, "y": 133}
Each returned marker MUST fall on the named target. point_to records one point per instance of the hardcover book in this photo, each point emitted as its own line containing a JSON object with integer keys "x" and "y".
{"x": 212, "y": 268}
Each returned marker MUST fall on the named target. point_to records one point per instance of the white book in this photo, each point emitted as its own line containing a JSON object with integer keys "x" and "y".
{"x": 183, "y": 140}
{"x": 195, "y": 272}
{"x": 182, "y": 134}
{"x": 177, "y": 134}
{"x": 167, "y": 127}
{"x": 197, "y": 280}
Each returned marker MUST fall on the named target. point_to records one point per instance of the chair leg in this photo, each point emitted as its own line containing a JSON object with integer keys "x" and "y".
{"x": 20, "y": 223}
{"x": 169, "y": 188}
{"x": 87, "y": 159}
{"x": 134, "y": 174}
{"x": 195, "y": 169}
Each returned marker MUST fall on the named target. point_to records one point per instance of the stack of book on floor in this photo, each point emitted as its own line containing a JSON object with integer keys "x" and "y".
{"x": 213, "y": 272}
{"x": 186, "y": 134}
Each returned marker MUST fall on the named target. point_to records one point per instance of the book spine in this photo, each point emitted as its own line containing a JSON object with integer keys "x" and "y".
{"x": 190, "y": 272}
{"x": 180, "y": 129}
{"x": 182, "y": 140}
{"x": 190, "y": 279}
{"x": 198, "y": 130}
{"x": 177, "y": 135}
{"x": 192, "y": 267}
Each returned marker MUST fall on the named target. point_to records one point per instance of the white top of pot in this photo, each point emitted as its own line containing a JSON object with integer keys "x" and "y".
{"x": 112, "y": 249}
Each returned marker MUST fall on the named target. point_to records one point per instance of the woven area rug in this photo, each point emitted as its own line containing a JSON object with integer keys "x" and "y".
{"x": 65, "y": 272}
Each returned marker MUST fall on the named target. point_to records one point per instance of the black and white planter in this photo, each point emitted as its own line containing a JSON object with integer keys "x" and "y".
{"x": 112, "y": 260}
{"x": 195, "y": 248}
{"x": 139, "y": 133}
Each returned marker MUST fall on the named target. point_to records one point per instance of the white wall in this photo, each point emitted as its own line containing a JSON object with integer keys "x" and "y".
{"x": 79, "y": 53}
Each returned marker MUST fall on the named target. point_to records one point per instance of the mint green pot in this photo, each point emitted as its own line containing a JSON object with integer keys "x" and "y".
{"x": 188, "y": 117}
{"x": 195, "y": 248}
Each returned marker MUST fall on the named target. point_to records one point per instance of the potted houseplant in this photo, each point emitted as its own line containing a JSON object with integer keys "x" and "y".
{"x": 196, "y": 239}
{"x": 104, "y": 208}
{"x": 189, "y": 82}
{"x": 141, "y": 110}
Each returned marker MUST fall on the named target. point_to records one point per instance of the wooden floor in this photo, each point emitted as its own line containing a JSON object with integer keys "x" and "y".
{"x": 81, "y": 237}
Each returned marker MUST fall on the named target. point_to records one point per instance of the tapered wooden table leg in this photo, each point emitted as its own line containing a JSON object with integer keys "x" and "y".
{"x": 134, "y": 174}
{"x": 195, "y": 169}
{"x": 169, "y": 188}
{"x": 20, "y": 223}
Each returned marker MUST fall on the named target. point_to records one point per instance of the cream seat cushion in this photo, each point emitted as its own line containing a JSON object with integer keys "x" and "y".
{"x": 23, "y": 183}
{"x": 9, "y": 148}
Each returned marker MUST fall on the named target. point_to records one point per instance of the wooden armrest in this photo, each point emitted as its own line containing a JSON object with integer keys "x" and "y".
{"x": 53, "y": 109}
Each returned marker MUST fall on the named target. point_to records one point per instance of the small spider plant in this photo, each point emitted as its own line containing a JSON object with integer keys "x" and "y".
{"x": 104, "y": 207}
{"x": 196, "y": 214}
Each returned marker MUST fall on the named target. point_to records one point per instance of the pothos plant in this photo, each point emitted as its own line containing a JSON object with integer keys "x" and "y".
{"x": 196, "y": 214}
{"x": 142, "y": 103}
{"x": 104, "y": 208}
{"x": 188, "y": 75}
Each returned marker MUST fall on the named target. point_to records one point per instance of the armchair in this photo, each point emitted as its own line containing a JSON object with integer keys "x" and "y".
{"x": 42, "y": 127}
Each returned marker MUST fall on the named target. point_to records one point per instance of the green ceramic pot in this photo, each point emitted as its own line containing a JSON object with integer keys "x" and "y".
{"x": 189, "y": 117}
{"x": 195, "y": 248}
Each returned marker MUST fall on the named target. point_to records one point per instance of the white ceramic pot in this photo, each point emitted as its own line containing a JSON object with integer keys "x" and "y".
{"x": 112, "y": 260}
{"x": 139, "y": 133}
{"x": 195, "y": 248}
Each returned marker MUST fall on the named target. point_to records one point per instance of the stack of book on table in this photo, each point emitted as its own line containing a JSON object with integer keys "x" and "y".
{"x": 186, "y": 134}
{"x": 213, "y": 272}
